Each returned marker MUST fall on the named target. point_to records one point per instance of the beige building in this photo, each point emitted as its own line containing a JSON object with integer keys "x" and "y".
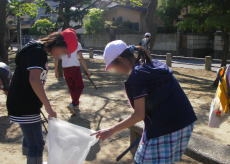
{"x": 133, "y": 15}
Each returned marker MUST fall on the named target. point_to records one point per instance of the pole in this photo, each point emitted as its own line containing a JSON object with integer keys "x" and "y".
{"x": 208, "y": 63}
{"x": 20, "y": 33}
{"x": 91, "y": 53}
{"x": 44, "y": 121}
{"x": 135, "y": 143}
{"x": 169, "y": 59}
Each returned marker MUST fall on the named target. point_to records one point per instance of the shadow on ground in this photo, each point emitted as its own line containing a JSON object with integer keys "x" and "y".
{"x": 78, "y": 120}
{"x": 6, "y": 126}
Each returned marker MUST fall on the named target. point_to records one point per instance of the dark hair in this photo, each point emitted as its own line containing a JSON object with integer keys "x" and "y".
{"x": 142, "y": 57}
{"x": 54, "y": 40}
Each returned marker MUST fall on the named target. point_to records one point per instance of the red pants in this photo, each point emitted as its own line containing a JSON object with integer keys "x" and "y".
{"x": 74, "y": 81}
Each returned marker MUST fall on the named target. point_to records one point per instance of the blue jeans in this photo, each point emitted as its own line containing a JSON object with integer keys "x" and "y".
{"x": 33, "y": 140}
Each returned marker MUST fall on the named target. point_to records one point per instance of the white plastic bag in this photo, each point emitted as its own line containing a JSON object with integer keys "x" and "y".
{"x": 68, "y": 143}
{"x": 214, "y": 120}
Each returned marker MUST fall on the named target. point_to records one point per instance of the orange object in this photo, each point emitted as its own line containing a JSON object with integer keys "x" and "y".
{"x": 222, "y": 90}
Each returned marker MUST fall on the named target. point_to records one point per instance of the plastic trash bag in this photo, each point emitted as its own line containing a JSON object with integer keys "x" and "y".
{"x": 214, "y": 120}
{"x": 68, "y": 143}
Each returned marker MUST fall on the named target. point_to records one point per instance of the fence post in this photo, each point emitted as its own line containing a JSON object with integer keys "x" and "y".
{"x": 169, "y": 59}
{"x": 91, "y": 53}
{"x": 208, "y": 63}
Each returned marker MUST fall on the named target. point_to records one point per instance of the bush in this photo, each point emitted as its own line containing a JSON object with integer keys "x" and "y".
{"x": 94, "y": 21}
{"x": 42, "y": 27}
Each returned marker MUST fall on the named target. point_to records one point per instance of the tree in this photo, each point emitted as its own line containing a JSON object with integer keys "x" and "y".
{"x": 208, "y": 16}
{"x": 168, "y": 12}
{"x": 150, "y": 18}
{"x": 22, "y": 8}
{"x": 72, "y": 12}
{"x": 42, "y": 27}
{"x": 94, "y": 22}
{"x": 3, "y": 51}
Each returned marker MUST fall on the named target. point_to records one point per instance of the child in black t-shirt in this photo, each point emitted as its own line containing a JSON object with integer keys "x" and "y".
{"x": 26, "y": 92}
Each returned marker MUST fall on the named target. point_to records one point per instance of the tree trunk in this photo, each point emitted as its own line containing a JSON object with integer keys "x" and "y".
{"x": 19, "y": 32}
{"x": 226, "y": 49}
{"x": 150, "y": 19}
{"x": 3, "y": 51}
{"x": 66, "y": 19}
{"x": 63, "y": 11}
{"x": 61, "y": 19}
{"x": 112, "y": 34}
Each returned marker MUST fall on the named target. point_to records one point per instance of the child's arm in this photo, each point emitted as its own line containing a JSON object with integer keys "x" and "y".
{"x": 37, "y": 86}
{"x": 56, "y": 61}
{"x": 137, "y": 116}
{"x": 83, "y": 63}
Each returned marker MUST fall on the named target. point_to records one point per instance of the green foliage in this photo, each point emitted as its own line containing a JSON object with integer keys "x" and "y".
{"x": 21, "y": 8}
{"x": 42, "y": 27}
{"x": 125, "y": 26}
{"x": 137, "y": 2}
{"x": 168, "y": 10}
{"x": 72, "y": 11}
{"x": 132, "y": 2}
{"x": 206, "y": 15}
{"x": 75, "y": 11}
{"x": 94, "y": 22}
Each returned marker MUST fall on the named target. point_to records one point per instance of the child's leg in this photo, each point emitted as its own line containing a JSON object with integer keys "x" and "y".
{"x": 24, "y": 147}
{"x": 75, "y": 83}
{"x": 166, "y": 149}
{"x": 68, "y": 73}
{"x": 32, "y": 134}
{"x": 78, "y": 85}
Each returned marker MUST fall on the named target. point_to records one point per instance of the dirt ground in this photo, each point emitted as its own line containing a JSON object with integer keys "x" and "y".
{"x": 105, "y": 107}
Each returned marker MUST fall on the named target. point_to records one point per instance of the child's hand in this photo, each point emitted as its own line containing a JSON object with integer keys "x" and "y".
{"x": 51, "y": 112}
{"x": 88, "y": 74}
{"x": 104, "y": 134}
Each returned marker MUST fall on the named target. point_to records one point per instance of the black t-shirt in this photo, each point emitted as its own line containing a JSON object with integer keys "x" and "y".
{"x": 22, "y": 100}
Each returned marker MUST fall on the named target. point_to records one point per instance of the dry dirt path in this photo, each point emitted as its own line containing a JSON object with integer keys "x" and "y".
{"x": 108, "y": 105}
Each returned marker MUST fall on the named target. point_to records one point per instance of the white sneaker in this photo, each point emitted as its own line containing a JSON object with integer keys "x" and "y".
{"x": 73, "y": 109}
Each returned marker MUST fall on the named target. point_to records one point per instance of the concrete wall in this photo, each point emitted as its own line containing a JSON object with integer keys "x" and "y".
{"x": 198, "y": 42}
{"x": 219, "y": 43}
{"x": 197, "y": 45}
{"x": 219, "y": 46}
{"x": 164, "y": 42}
{"x": 94, "y": 41}
{"x": 191, "y": 46}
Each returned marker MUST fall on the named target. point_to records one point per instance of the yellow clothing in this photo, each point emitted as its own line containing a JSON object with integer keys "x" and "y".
{"x": 222, "y": 91}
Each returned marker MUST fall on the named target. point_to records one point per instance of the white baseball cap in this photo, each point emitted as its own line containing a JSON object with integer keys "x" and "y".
{"x": 113, "y": 50}
{"x": 147, "y": 34}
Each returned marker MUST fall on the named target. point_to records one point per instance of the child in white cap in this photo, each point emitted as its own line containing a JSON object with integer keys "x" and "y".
{"x": 157, "y": 99}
